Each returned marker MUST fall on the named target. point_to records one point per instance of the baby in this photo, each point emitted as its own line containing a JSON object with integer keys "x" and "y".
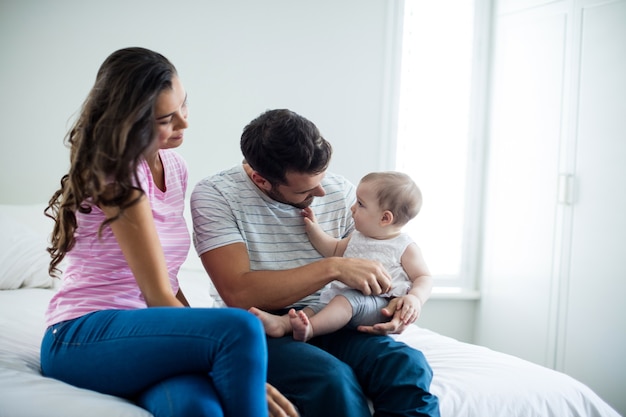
{"x": 386, "y": 201}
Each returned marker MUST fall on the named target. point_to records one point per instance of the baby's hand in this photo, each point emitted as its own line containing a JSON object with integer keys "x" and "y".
{"x": 308, "y": 215}
{"x": 409, "y": 307}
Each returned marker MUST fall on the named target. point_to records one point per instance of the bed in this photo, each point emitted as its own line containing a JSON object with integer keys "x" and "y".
{"x": 470, "y": 380}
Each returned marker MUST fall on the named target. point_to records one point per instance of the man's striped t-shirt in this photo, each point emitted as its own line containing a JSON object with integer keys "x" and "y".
{"x": 228, "y": 208}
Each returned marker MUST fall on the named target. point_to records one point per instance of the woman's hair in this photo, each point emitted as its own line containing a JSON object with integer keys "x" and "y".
{"x": 279, "y": 141}
{"x": 397, "y": 193}
{"x": 115, "y": 127}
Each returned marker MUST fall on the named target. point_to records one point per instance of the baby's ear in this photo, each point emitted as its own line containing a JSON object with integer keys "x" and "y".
{"x": 387, "y": 218}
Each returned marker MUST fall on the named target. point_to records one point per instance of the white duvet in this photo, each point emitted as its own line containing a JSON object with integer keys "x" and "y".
{"x": 470, "y": 381}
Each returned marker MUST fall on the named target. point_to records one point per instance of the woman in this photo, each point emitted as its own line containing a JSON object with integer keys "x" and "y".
{"x": 119, "y": 227}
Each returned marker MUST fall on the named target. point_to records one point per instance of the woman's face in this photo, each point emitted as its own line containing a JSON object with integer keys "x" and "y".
{"x": 171, "y": 115}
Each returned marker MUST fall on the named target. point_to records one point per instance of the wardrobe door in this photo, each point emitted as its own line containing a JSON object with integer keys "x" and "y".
{"x": 594, "y": 340}
{"x": 522, "y": 189}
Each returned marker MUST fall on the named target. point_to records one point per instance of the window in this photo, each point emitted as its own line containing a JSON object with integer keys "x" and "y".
{"x": 436, "y": 119}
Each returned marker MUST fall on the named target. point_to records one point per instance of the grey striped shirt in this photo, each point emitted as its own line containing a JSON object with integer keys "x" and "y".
{"x": 228, "y": 208}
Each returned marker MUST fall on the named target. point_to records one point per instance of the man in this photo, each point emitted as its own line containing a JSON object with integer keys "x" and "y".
{"x": 250, "y": 235}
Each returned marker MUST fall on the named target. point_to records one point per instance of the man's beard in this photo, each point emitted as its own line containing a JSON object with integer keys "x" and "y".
{"x": 277, "y": 195}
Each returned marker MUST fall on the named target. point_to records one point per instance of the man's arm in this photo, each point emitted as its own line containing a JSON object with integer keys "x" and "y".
{"x": 229, "y": 269}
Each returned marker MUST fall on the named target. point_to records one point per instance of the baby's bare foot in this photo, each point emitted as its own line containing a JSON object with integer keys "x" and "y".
{"x": 274, "y": 325}
{"x": 301, "y": 326}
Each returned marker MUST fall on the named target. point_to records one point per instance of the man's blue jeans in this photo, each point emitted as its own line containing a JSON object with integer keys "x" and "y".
{"x": 334, "y": 374}
{"x": 171, "y": 361}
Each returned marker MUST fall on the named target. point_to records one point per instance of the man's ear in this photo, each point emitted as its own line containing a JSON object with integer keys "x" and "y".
{"x": 387, "y": 218}
{"x": 260, "y": 182}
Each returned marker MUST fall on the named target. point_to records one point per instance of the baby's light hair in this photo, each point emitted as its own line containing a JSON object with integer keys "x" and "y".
{"x": 396, "y": 192}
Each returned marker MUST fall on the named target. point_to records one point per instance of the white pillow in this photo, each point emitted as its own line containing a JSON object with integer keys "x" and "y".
{"x": 23, "y": 256}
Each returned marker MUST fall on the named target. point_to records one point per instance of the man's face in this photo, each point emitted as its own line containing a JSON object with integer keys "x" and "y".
{"x": 300, "y": 190}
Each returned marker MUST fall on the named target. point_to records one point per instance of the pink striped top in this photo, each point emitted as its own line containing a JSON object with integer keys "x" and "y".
{"x": 96, "y": 275}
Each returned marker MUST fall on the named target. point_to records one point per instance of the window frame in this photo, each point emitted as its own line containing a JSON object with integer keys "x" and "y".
{"x": 477, "y": 147}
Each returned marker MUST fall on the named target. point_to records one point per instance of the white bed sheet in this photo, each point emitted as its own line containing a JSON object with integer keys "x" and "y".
{"x": 24, "y": 392}
{"x": 470, "y": 381}
{"x": 473, "y": 381}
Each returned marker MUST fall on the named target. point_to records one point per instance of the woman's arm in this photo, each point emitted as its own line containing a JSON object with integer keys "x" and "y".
{"x": 138, "y": 239}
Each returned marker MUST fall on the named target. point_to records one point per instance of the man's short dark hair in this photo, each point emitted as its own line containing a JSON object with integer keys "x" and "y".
{"x": 280, "y": 141}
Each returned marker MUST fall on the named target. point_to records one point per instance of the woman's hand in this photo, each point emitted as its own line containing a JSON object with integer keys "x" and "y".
{"x": 278, "y": 405}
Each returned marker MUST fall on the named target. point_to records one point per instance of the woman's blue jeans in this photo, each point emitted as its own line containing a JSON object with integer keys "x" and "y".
{"x": 171, "y": 361}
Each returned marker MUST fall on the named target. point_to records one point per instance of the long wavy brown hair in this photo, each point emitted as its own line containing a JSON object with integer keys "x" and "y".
{"x": 115, "y": 127}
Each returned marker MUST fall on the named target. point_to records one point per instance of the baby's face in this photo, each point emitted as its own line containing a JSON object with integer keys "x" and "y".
{"x": 366, "y": 212}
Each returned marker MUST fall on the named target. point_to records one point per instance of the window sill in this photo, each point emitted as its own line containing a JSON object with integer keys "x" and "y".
{"x": 454, "y": 293}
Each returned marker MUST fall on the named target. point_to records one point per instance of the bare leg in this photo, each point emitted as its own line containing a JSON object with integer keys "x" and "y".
{"x": 333, "y": 317}
{"x": 275, "y": 326}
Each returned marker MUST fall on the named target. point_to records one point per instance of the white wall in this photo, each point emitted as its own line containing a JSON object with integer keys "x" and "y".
{"x": 331, "y": 61}
{"x": 324, "y": 59}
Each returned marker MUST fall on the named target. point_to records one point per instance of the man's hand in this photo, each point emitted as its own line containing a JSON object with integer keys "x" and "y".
{"x": 393, "y": 326}
{"x": 278, "y": 405}
{"x": 367, "y": 276}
